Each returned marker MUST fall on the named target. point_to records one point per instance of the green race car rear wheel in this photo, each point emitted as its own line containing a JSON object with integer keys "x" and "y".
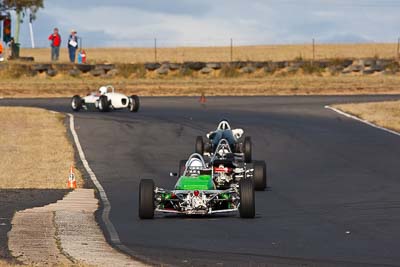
{"x": 199, "y": 148}
{"x": 247, "y": 149}
{"x": 182, "y": 167}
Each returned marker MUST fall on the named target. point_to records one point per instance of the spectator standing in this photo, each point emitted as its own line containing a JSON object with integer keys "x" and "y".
{"x": 1, "y": 52}
{"x": 72, "y": 46}
{"x": 55, "y": 39}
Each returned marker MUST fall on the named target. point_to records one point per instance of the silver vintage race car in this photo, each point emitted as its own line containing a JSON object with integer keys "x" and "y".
{"x": 105, "y": 99}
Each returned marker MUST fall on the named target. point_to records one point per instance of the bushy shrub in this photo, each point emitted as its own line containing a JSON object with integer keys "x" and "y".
{"x": 229, "y": 71}
{"x": 126, "y": 70}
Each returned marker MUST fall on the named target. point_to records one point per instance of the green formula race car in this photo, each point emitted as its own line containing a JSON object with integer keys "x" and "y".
{"x": 195, "y": 194}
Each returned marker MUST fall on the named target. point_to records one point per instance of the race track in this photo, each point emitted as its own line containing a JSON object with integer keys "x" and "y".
{"x": 334, "y": 182}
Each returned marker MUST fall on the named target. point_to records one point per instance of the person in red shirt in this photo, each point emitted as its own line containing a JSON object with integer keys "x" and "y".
{"x": 1, "y": 52}
{"x": 55, "y": 42}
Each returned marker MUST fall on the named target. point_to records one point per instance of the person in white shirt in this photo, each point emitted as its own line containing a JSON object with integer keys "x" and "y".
{"x": 72, "y": 46}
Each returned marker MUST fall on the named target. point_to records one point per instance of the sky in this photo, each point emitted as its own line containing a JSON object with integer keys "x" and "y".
{"x": 135, "y": 23}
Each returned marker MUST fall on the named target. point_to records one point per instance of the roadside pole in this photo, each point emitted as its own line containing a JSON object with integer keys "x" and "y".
{"x": 31, "y": 30}
{"x": 155, "y": 49}
{"x": 17, "y": 27}
{"x": 231, "y": 49}
{"x": 313, "y": 51}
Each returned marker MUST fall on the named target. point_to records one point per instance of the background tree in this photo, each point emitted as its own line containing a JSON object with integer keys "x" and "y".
{"x": 21, "y": 7}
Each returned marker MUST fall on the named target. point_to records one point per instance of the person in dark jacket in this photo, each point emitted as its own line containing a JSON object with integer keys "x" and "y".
{"x": 55, "y": 42}
{"x": 72, "y": 46}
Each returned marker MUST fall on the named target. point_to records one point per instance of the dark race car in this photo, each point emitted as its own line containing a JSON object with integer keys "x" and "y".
{"x": 230, "y": 168}
{"x": 234, "y": 137}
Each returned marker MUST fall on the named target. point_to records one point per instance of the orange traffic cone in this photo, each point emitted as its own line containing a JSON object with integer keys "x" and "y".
{"x": 203, "y": 99}
{"x": 71, "y": 179}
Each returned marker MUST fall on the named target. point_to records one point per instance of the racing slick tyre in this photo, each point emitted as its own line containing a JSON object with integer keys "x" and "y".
{"x": 199, "y": 145}
{"x": 260, "y": 175}
{"x": 208, "y": 147}
{"x": 134, "y": 103}
{"x": 76, "y": 103}
{"x": 247, "y": 208}
{"x": 103, "y": 104}
{"x": 182, "y": 167}
{"x": 247, "y": 149}
{"x": 238, "y": 148}
{"x": 146, "y": 199}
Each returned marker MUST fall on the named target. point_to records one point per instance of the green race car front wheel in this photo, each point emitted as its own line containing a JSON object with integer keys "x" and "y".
{"x": 146, "y": 199}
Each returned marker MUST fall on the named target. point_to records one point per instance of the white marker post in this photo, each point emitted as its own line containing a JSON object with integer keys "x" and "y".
{"x": 31, "y": 30}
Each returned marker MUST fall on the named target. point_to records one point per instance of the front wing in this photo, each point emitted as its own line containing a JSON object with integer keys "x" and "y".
{"x": 193, "y": 202}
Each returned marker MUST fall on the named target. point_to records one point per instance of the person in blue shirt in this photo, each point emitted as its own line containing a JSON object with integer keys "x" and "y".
{"x": 72, "y": 45}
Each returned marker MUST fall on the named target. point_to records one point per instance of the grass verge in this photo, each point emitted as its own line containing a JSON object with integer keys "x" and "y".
{"x": 223, "y": 53}
{"x": 35, "y": 148}
{"x": 5, "y": 264}
{"x": 189, "y": 86}
{"x": 385, "y": 114}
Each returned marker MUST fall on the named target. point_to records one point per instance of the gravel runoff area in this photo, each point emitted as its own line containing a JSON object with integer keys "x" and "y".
{"x": 64, "y": 233}
{"x": 19, "y": 199}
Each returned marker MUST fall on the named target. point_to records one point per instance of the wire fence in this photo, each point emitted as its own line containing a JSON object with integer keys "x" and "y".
{"x": 90, "y": 42}
{"x": 218, "y": 49}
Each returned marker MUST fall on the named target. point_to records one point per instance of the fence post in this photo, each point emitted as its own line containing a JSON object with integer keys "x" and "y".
{"x": 313, "y": 50}
{"x": 231, "y": 50}
{"x": 155, "y": 49}
{"x": 398, "y": 48}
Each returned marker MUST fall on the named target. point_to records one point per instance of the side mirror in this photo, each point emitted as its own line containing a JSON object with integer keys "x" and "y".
{"x": 173, "y": 174}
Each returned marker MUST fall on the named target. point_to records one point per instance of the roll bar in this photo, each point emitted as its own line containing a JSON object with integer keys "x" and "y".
{"x": 223, "y": 125}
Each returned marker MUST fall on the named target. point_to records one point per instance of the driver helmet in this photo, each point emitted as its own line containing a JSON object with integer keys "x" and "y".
{"x": 194, "y": 166}
{"x": 223, "y": 151}
{"x": 103, "y": 90}
{"x": 195, "y": 163}
{"x": 224, "y": 125}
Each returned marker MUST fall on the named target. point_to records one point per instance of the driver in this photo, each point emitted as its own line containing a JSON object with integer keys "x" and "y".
{"x": 103, "y": 90}
{"x": 230, "y": 135}
{"x": 194, "y": 166}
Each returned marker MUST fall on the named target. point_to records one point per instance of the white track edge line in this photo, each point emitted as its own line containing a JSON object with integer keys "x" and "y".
{"x": 114, "y": 237}
{"x": 361, "y": 120}
{"x": 106, "y": 203}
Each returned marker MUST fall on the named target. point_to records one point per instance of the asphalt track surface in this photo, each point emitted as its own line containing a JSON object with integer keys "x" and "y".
{"x": 334, "y": 182}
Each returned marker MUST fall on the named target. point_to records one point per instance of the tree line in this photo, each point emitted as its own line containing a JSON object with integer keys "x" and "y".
{"x": 22, "y": 8}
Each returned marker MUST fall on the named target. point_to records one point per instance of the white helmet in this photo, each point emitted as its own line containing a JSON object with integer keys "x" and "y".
{"x": 103, "y": 90}
{"x": 195, "y": 163}
{"x": 223, "y": 125}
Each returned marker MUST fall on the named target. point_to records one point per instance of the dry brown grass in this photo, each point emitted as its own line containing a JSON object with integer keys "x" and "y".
{"x": 189, "y": 86}
{"x": 5, "y": 264}
{"x": 175, "y": 84}
{"x": 244, "y": 53}
{"x": 385, "y": 114}
{"x": 36, "y": 152}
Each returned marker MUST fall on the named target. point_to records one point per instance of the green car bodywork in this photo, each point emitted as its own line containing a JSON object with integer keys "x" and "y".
{"x": 201, "y": 182}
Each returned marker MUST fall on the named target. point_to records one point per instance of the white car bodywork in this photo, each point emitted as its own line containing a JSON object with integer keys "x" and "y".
{"x": 113, "y": 100}
{"x": 118, "y": 101}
